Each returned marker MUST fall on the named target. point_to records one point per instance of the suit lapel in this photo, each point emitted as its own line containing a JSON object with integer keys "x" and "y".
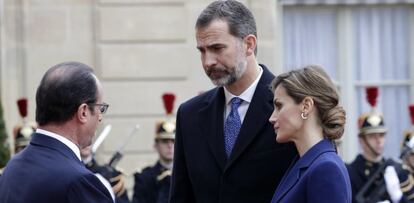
{"x": 256, "y": 117}
{"x": 211, "y": 125}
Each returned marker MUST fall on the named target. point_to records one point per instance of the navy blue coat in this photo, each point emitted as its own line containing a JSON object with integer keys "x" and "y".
{"x": 202, "y": 172}
{"x": 318, "y": 176}
{"x": 47, "y": 171}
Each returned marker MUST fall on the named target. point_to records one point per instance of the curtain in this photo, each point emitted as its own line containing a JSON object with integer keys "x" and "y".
{"x": 310, "y": 37}
{"x": 382, "y": 54}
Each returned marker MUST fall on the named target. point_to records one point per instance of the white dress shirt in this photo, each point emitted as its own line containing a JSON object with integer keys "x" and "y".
{"x": 62, "y": 139}
{"x": 247, "y": 96}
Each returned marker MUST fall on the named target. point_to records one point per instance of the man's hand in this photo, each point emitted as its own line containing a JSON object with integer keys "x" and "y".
{"x": 119, "y": 187}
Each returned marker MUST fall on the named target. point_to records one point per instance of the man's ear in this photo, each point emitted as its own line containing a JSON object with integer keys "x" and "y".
{"x": 251, "y": 42}
{"x": 82, "y": 113}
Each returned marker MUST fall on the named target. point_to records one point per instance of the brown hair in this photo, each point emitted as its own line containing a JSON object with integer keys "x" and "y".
{"x": 312, "y": 81}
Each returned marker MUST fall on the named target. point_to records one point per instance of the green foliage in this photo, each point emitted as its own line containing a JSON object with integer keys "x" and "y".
{"x": 4, "y": 147}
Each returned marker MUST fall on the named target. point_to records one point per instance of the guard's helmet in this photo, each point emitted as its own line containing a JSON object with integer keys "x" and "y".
{"x": 371, "y": 122}
{"x": 23, "y": 132}
{"x": 165, "y": 129}
{"x": 408, "y": 134}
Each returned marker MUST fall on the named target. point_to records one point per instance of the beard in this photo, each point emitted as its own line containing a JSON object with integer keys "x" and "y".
{"x": 222, "y": 75}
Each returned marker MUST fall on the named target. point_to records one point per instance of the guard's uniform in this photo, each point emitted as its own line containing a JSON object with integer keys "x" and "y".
{"x": 107, "y": 173}
{"x": 367, "y": 178}
{"x": 152, "y": 185}
{"x": 361, "y": 170}
{"x": 407, "y": 148}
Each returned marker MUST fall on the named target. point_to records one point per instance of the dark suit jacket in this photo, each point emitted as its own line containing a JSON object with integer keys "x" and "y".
{"x": 47, "y": 171}
{"x": 201, "y": 170}
{"x": 318, "y": 176}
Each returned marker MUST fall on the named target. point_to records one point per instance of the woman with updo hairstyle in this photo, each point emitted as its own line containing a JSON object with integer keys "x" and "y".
{"x": 307, "y": 113}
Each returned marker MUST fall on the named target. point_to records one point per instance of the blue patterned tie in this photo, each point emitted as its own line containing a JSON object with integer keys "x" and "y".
{"x": 232, "y": 125}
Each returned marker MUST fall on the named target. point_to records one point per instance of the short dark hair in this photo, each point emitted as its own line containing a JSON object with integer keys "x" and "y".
{"x": 238, "y": 17}
{"x": 62, "y": 89}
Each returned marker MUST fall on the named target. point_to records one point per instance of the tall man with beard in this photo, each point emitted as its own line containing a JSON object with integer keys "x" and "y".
{"x": 225, "y": 149}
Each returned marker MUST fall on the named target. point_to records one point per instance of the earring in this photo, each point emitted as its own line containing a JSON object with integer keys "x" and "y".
{"x": 303, "y": 116}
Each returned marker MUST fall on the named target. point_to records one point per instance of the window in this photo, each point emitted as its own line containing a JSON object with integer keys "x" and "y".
{"x": 358, "y": 46}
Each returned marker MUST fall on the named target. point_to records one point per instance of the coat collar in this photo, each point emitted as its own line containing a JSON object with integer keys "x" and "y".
{"x": 49, "y": 142}
{"x": 295, "y": 172}
{"x": 212, "y": 123}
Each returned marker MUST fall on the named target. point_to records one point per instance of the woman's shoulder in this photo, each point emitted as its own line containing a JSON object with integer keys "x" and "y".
{"x": 328, "y": 161}
{"x": 326, "y": 168}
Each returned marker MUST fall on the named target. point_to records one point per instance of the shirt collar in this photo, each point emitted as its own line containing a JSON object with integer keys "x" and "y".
{"x": 247, "y": 94}
{"x": 62, "y": 139}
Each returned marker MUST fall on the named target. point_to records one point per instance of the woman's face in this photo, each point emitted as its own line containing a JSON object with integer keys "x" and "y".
{"x": 286, "y": 117}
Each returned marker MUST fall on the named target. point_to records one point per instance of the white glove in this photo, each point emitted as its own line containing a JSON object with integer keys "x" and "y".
{"x": 392, "y": 184}
{"x": 385, "y": 201}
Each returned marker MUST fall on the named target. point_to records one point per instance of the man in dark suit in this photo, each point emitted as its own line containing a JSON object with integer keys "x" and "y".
{"x": 226, "y": 150}
{"x": 68, "y": 109}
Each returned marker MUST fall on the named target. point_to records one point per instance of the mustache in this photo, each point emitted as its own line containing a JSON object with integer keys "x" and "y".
{"x": 216, "y": 69}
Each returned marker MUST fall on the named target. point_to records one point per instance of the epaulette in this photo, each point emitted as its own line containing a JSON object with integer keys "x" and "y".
{"x": 408, "y": 184}
{"x": 164, "y": 174}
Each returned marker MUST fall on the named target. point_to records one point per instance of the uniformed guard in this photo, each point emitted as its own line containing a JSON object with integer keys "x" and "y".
{"x": 407, "y": 149}
{"x": 374, "y": 178}
{"x": 152, "y": 185}
{"x": 23, "y": 132}
{"x": 113, "y": 179}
